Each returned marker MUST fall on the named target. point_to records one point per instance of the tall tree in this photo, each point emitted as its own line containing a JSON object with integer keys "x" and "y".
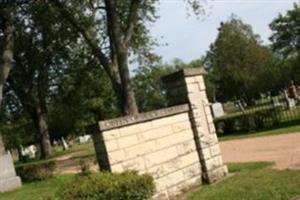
{"x": 286, "y": 41}
{"x": 39, "y": 56}
{"x": 6, "y": 48}
{"x": 286, "y": 31}
{"x": 114, "y": 30}
{"x": 235, "y": 60}
{"x": 108, "y": 27}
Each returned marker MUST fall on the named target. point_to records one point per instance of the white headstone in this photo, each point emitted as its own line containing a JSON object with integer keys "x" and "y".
{"x": 84, "y": 139}
{"x": 64, "y": 144}
{"x": 217, "y": 109}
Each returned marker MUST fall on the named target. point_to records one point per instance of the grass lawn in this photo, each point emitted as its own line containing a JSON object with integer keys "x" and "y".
{"x": 43, "y": 190}
{"x": 80, "y": 150}
{"x": 250, "y": 181}
{"x": 277, "y": 131}
{"x": 253, "y": 181}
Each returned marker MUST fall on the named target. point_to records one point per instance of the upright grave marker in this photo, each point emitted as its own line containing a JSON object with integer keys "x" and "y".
{"x": 8, "y": 179}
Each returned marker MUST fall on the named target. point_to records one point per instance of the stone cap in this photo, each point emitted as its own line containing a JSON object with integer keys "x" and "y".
{"x": 183, "y": 73}
{"x": 138, "y": 118}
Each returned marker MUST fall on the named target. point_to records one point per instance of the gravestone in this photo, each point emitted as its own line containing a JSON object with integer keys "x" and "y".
{"x": 64, "y": 144}
{"x": 8, "y": 178}
{"x": 217, "y": 110}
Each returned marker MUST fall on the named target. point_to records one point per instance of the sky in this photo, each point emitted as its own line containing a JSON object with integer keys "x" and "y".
{"x": 188, "y": 38}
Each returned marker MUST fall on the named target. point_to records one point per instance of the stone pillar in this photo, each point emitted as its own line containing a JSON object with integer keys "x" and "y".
{"x": 8, "y": 179}
{"x": 188, "y": 86}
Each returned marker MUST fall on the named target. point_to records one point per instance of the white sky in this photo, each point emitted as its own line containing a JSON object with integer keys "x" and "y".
{"x": 188, "y": 37}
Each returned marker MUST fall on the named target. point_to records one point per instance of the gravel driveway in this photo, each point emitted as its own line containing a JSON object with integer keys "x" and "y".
{"x": 284, "y": 150}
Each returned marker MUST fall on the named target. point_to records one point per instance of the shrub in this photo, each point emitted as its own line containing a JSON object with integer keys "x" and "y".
{"x": 85, "y": 166}
{"x": 36, "y": 171}
{"x": 108, "y": 186}
{"x": 246, "y": 122}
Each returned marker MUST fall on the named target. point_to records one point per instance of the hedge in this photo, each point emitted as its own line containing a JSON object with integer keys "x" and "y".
{"x": 36, "y": 171}
{"x": 108, "y": 186}
{"x": 246, "y": 122}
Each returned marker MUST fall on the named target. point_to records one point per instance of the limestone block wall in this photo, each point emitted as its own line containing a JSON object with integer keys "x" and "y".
{"x": 188, "y": 86}
{"x": 160, "y": 143}
{"x": 178, "y": 145}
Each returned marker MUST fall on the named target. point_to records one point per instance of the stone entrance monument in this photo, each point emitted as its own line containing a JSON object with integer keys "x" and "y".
{"x": 8, "y": 178}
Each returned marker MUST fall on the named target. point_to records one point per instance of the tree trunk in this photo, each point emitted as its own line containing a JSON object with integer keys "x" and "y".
{"x": 40, "y": 120}
{"x": 128, "y": 98}
{"x": 7, "y": 55}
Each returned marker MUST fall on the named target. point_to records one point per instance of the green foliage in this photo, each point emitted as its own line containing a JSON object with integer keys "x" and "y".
{"x": 286, "y": 31}
{"x": 237, "y": 62}
{"x": 149, "y": 89}
{"x": 245, "y": 122}
{"x": 286, "y": 42}
{"x": 36, "y": 171}
{"x": 107, "y": 186}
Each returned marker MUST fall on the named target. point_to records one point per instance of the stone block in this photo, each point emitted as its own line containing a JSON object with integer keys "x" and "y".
{"x": 192, "y": 171}
{"x": 161, "y": 195}
{"x": 10, "y": 184}
{"x": 8, "y": 179}
{"x": 181, "y": 126}
{"x": 128, "y": 141}
{"x": 174, "y": 139}
{"x": 216, "y": 174}
{"x": 116, "y": 157}
{"x": 155, "y": 133}
{"x": 136, "y": 164}
{"x": 186, "y": 147}
{"x": 140, "y": 149}
{"x": 111, "y": 134}
{"x": 215, "y": 150}
{"x": 213, "y": 163}
{"x": 170, "y": 120}
{"x": 111, "y": 145}
{"x": 135, "y": 128}
{"x": 206, "y": 153}
{"x": 7, "y": 169}
{"x": 161, "y": 156}
{"x": 170, "y": 180}
{"x": 117, "y": 168}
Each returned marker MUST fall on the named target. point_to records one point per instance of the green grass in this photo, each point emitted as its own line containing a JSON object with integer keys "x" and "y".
{"x": 43, "y": 190}
{"x": 252, "y": 181}
{"x": 82, "y": 150}
{"x": 277, "y": 131}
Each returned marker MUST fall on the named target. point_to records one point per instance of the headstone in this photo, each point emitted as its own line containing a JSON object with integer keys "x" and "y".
{"x": 8, "y": 178}
{"x": 290, "y": 101}
{"x": 30, "y": 151}
{"x": 217, "y": 110}
{"x": 240, "y": 106}
{"x": 275, "y": 102}
{"x": 64, "y": 144}
{"x": 84, "y": 139}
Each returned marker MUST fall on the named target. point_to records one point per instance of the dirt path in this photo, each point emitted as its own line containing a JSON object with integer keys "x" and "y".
{"x": 70, "y": 164}
{"x": 284, "y": 150}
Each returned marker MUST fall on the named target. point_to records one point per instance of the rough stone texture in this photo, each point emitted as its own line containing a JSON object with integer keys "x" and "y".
{"x": 178, "y": 145}
{"x": 133, "y": 119}
{"x": 192, "y": 89}
{"x": 8, "y": 179}
{"x": 161, "y": 145}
